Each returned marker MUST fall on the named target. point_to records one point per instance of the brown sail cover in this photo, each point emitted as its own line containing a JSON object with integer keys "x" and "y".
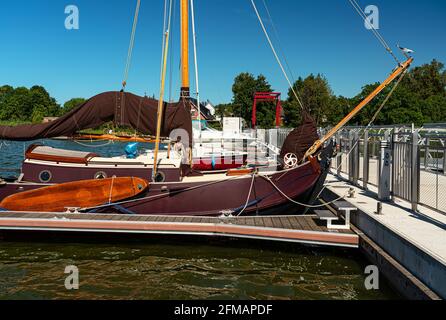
{"x": 122, "y": 108}
{"x": 302, "y": 138}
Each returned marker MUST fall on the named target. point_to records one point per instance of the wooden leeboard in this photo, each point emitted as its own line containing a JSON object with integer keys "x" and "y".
{"x": 78, "y": 194}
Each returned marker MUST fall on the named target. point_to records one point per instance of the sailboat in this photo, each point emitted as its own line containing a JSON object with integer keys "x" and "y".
{"x": 173, "y": 186}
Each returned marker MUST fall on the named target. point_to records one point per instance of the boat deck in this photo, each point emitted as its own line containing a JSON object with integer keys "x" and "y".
{"x": 306, "y": 229}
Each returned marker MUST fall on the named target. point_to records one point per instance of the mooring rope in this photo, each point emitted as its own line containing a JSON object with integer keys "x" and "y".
{"x": 297, "y": 202}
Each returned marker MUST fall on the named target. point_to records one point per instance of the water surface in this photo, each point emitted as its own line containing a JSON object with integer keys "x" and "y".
{"x": 155, "y": 269}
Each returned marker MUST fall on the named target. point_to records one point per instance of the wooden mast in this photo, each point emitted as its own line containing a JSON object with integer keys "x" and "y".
{"x": 401, "y": 68}
{"x": 185, "y": 83}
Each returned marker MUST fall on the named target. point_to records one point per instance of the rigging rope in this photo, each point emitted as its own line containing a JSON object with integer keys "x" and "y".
{"x": 131, "y": 46}
{"x": 197, "y": 84}
{"x": 366, "y": 128}
{"x": 375, "y": 115}
{"x": 165, "y": 23}
{"x": 276, "y": 33}
{"x": 249, "y": 195}
{"x": 387, "y": 98}
{"x": 109, "y": 142}
{"x": 374, "y": 30}
{"x": 172, "y": 50}
{"x": 161, "y": 99}
{"x": 276, "y": 56}
{"x": 297, "y": 202}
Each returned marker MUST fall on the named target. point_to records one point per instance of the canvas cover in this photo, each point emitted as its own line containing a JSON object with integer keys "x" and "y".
{"x": 302, "y": 138}
{"x": 122, "y": 108}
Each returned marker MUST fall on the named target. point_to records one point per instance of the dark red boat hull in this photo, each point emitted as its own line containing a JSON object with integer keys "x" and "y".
{"x": 228, "y": 196}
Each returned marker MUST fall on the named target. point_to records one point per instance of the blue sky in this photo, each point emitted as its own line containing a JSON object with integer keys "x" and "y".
{"x": 319, "y": 36}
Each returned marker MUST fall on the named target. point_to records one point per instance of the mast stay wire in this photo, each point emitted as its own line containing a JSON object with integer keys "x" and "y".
{"x": 172, "y": 50}
{"x": 276, "y": 56}
{"x": 197, "y": 86}
{"x": 131, "y": 45}
{"x": 378, "y": 35}
{"x": 369, "y": 125}
{"x": 162, "y": 91}
{"x": 165, "y": 27}
{"x": 279, "y": 43}
{"x": 401, "y": 77}
{"x": 378, "y": 111}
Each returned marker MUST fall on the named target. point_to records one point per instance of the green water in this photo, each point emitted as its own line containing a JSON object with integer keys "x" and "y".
{"x": 160, "y": 270}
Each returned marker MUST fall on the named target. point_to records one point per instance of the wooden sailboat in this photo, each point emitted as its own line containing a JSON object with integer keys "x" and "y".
{"x": 176, "y": 189}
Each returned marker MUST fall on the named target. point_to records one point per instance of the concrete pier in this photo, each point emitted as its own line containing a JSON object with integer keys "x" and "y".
{"x": 410, "y": 246}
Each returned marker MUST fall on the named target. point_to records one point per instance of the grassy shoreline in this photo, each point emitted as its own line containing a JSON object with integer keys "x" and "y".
{"x": 14, "y": 123}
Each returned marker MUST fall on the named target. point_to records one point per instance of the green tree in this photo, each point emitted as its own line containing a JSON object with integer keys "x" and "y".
{"x": 42, "y": 104}
{"x": 224, "y": 110}
{"x": 316, "y": 96}
{"x": 339, "y": 107}
{"x": 427, "y": 80}
{"x": 292, "y": 109}
{"x": 244, "y": 88}
{"x": 434, "y": 109}
{"x": 72, "y": 104}
{"x": 24, "y": 105}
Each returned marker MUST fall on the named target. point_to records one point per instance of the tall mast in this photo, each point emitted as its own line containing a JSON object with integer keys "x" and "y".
{"x": 185, "y": 83}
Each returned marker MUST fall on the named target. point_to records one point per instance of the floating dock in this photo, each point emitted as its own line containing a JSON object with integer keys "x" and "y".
{"x": 308, "y": 229}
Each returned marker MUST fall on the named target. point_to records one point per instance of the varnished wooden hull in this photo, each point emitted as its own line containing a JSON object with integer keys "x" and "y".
{"x": 77, "y": 194}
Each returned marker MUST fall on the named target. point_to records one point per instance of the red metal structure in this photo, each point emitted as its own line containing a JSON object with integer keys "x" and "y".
{"x": 267, "y": 97}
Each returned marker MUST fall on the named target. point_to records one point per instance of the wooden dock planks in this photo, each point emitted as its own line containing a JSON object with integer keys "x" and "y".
{"x": 301, "y": 229}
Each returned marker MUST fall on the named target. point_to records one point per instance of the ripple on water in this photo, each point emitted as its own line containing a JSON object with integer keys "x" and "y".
{"x": 165, "y": 271}
{"x": 169, "y": 271}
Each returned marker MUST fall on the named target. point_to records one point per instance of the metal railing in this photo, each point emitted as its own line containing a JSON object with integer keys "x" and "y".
{"x": 416, "y": 161}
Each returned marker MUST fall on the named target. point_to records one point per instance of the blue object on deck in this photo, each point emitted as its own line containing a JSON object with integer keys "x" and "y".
{"x": 131, "y": 150}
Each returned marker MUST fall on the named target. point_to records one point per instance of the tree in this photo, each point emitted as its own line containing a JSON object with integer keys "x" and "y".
{"x": 244, "y": 88}
{"x": 42, "y": 104}
{"x": 427, "y": 80}
{"x": 224, "y": 110}
{"x": 72, "y": 104}
{"x": 316, "y": 96}
{"x": 24, "y": 105}
{"x": 339, "y": 107}
{"x": 434, "y": 109}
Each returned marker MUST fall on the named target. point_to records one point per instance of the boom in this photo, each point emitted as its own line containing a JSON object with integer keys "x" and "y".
{"x": 401, "y": 68}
